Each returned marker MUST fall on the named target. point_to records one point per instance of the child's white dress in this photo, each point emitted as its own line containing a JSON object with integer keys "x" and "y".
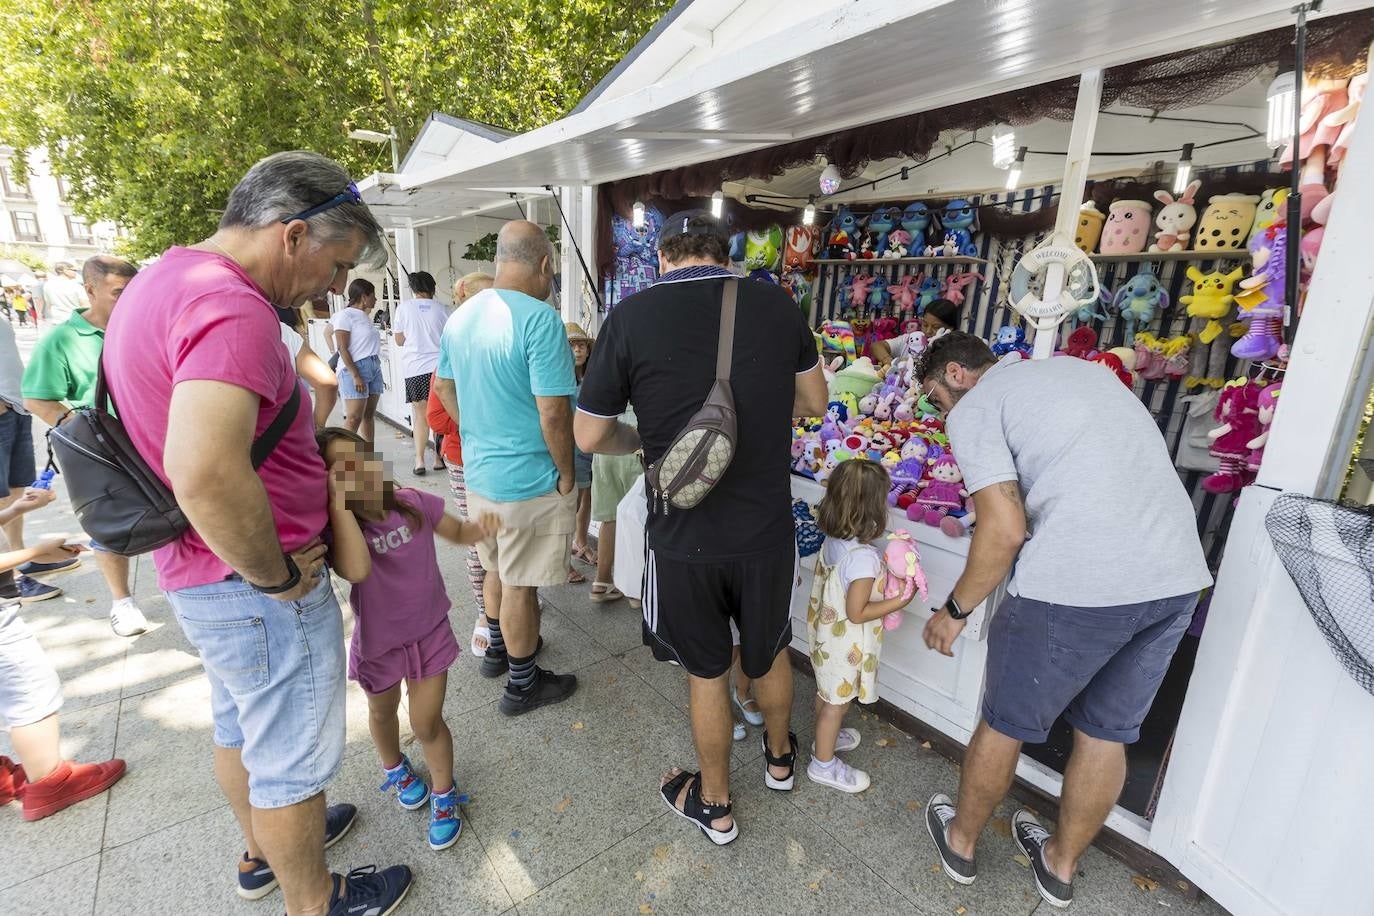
{"x": 843, "y": 654}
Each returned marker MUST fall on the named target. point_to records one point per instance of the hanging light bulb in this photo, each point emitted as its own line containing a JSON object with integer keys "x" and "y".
{"x": 830, "y": 179}
{"x": 637, "y": 218}
{"x": 1184, "y": 173}
{"x": 809, "y": 214}
{"x": 1014, "y": 176}
{"x": 717, "y": 204}
{"x": 1003, "y": 147}
{"x": 1281, "y": 94}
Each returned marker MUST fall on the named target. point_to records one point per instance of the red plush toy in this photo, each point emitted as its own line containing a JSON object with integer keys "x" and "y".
{"x": 1082, "y": 343}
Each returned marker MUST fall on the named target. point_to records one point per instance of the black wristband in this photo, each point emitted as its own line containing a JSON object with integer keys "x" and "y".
{"x": 953, "y": 610}
{"x": 292, "y": 581}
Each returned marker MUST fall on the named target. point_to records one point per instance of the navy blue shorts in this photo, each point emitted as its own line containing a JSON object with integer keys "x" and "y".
{"x": 1099, "y": 667}
{"x": 17, "y": 468}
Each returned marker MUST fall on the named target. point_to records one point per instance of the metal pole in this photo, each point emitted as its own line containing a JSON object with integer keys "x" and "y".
{"x": 395, "y": 150}
{"x": 1294, "y": 234}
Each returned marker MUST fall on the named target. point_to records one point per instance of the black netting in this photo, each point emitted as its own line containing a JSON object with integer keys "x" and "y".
{"x": 1328, "y": 549}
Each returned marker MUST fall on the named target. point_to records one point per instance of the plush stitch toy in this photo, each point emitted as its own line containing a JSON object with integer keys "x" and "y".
{"x": 1238, "y": 413}
{"x": 1176, "y": 220}
{"x": 904, "y": 294}
{"x": 902, "y": 574}
{"x": 1226, "y": 222}
{"x": 958, "y": 221}
{"x": 1128, "y": 227}
{"x": 880, "y": 225}
{"x": 1010, "y": 338}
{"x": 1210, "y": 299}
{"x": 941, "y": 493}
{"x": 878, "y": 297}
{"x": 916, "y": 220}
{"x": 800, "y": 254}
{"x": 930, "y": 291}
{"x": 858, "y": 290}
{"x": 1265, "y": 406}
{"x": 955, "y": 283}
{"x": 1137, "y": 301}
{"x": 1262, "y": 295}
{"x": 1089, "y": 231}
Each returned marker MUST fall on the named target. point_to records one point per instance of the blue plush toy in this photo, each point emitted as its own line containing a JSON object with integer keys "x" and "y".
{"x": 810, "y": 538}
{"x": 737, "y": 248}
{"x": 1010, "y": 338}
{"x": 1137, "y": 301}
{"x": 957, "y": 221}
{"x": 878, "y": 296}
{"x": 929, "y": 292}
{"x": 916, "y": 221}
{"x": 880, "y": 224}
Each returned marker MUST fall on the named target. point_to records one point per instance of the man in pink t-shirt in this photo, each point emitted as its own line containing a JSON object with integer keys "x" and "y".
{"x": 198, "y": 371}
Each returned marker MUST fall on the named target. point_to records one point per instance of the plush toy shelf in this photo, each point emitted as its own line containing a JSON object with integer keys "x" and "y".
{"x": 857, "y": 262}
{"x": 1239, "y": 254}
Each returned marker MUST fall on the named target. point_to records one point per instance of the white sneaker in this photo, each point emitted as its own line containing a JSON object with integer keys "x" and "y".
{"x": 839, "y": 775}
{"x": 126, "y": 619}
{"x": 846, "y": 740}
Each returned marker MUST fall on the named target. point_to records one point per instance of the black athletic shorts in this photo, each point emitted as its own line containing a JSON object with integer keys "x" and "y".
{"x": 688, "y": 608}
{"x": 417, "y": 389}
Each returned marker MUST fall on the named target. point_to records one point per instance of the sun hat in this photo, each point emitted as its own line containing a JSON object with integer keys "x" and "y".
{"x": 576, "y": 333}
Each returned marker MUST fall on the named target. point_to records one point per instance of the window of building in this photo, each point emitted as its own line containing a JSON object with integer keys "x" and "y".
{"x": 78, "y": 230}
{"x": 15, "y": 184}
{"x": 26, "y": 226}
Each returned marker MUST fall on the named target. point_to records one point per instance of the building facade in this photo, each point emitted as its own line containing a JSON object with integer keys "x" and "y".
{"x": 37, "y": 218}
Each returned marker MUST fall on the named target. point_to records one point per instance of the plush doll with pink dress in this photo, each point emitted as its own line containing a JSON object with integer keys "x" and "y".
{"x": 942, "y": 492}
{"x": 1238, "y": 413}
{"x": 1266, "y": 405}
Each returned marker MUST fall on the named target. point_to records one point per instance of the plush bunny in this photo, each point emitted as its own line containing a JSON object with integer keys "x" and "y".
{"x": 1176, "y": 220}
{"x": 902, "y": 576}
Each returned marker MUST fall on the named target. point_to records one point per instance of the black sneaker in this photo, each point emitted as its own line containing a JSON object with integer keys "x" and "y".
{"x": 495, "y": 664}
{"x": 547, "y": 688}
{"x": 48, "y": 569}
{"x": 939, "y": 814}
{"x": 256, "y": 879}
{"x": 368, "y": 892}
{"x": 1032, "y": 837}
{"x": 32, "y": 591}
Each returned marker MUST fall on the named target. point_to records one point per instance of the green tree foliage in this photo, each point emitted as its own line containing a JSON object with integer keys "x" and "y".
{"x": 152, "y": 109}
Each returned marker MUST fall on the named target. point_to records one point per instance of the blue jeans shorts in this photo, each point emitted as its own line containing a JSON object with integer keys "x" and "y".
{"x": 370, "y": 368}
{"x": 17, "y": 469}
{"x": 1099, "y": 667}
{"x": 277, "y": 678}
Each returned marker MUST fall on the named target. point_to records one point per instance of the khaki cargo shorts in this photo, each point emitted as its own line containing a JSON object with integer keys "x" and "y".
{"x": 533, "y": 547}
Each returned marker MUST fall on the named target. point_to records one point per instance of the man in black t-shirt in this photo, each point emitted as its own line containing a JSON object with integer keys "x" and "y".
{"x": 733, "y": 556}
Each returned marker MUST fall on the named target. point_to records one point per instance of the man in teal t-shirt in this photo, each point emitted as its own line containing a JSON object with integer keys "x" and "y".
{"x": 506, "y": 375}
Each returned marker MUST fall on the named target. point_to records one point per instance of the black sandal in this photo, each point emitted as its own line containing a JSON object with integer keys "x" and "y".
{"x": 696, "y": 810}
{"x": 788, "y": 760}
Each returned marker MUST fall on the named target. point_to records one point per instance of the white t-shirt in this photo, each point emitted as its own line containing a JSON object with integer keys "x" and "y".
{"x": 856, "y": 561}
{"x": 364, "y": 339}
{"x": 63, "y": 295}
{"x": 422, "y": 322}
{"x": 293, "y": 341}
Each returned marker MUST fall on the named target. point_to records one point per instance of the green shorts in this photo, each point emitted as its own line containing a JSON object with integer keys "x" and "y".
{"x": 612, "y": 477}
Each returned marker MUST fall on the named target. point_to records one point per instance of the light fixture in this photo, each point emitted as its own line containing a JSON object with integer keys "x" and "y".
{"x": 1014, "y": 176}
{"x": 1184, "y": 173}
{"x": 1281, "y": 94}
{"x": 637, "y": 215}
{"x": 376, "y": 136}
{"x": 717, "y": 204}
{"x": 830, "y": 179}
{"x": 1003, "y": 146}
{"x": 809, "y": 214}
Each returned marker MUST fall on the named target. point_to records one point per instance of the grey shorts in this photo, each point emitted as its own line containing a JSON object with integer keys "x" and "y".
{"x": 1099, "y": 667}
{"x": 29, "y": 689}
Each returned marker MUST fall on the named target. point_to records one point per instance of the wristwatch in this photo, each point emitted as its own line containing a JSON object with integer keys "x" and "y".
{"x": 293, "y": 579}
{"x": 953, "y": 610}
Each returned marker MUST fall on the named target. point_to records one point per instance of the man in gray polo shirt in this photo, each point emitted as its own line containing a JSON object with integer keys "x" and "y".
{"x": 1066, "y": 467}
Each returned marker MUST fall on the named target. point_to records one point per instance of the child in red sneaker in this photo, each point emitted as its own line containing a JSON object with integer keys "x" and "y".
{"x": 30, "y": 696}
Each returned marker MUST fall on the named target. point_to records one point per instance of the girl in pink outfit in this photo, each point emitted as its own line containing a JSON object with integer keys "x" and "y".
{"x": 382, "y": 541}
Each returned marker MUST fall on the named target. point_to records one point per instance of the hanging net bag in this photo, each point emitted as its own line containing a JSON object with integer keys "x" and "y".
{"x": 1328, "y": 549}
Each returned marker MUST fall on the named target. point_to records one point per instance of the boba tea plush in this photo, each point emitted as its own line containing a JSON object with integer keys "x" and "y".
{"x": 1128, "y": 227}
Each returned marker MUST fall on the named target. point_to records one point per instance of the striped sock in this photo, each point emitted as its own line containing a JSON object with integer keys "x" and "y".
{"x": 497, "y": 643}
{"x": 522, "y": 672}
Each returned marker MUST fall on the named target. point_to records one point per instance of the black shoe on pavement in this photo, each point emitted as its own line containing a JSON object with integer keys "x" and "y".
{"x": 48, "y": 569}
{"x": 32, "y": 591}
{"x": 368, "y": 891}
{"x": 939, "y": 815}
{"x": 547, "y": 688}
{"x": 495, "y": 664}
{"x": 256, "y": 878}
{"x": 338, "y": 820}
{"x": 1032, "y": 837}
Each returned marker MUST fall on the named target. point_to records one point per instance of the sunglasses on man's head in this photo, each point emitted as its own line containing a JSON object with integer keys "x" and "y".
{"x": 347, "y": 195}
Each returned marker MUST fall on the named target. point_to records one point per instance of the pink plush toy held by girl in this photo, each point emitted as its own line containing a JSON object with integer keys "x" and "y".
{"x": 902, "y": 576}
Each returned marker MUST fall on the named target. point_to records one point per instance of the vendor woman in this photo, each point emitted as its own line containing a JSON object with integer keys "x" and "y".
{"x": 940, "y": 317}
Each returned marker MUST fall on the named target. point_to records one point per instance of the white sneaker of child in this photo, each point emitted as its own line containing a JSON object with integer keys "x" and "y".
{"x": 838, "y": 775}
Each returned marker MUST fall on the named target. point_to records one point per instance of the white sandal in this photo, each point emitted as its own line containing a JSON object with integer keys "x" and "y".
{"x": 483, "y": 632}
{"x": 608, "y": 592}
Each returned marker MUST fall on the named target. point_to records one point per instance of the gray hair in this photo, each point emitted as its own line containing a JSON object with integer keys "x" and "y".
{"x": 285, "y": 184}
{"x": 523, "y": 243}
{"x": 102, "y": 265}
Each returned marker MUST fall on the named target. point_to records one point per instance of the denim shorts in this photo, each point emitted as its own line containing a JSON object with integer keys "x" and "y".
{"x": 1099, "y": 667}
{"x": 17, "y": 468}
{"x": 370, "y": 368}
{"x": 277, "y": 682}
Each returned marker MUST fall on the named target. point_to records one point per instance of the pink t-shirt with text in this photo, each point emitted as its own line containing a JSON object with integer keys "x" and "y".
{"x": 194, "y": 315}
{"x": 403, "y": 599}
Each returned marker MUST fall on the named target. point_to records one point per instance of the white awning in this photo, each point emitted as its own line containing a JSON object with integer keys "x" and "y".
{"x": 398, "y": 207}
{"x": 866, "y": 62}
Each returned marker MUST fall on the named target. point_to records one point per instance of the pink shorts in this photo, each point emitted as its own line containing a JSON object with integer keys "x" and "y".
{"x": 429, "y": 655}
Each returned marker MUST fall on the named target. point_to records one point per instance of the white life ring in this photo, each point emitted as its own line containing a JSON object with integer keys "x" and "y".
{"x": 1027, "y": 282}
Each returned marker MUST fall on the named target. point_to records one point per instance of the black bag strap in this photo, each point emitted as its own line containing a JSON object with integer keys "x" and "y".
{"x": 725, "y": 346}
{"x": 263, "y": 445}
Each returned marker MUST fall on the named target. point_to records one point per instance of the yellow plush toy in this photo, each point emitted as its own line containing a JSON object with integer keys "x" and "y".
{"x": 1211, "y": 298}
{"x": 1226, "y": 223}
